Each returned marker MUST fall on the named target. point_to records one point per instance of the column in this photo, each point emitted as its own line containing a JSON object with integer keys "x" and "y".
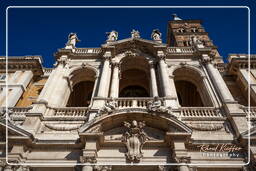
{"x": 114, "y": 91}
{"x": 168, "y": 86}
{"x": 183, "y": 168}
{"x": 217, "y": 80}
{"x": 103, "y": 88}
{"x": 164, "y": 77}
{"x": 154, "y": 89}
{"x": 87, "y": 168}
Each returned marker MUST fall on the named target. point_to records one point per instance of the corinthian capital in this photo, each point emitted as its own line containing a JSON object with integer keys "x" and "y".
{"x": 107, "y": 55}
{"x": 206, "y": 59}
{"x": 161, "y": 55}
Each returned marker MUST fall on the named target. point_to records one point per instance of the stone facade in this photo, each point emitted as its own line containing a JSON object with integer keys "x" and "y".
{"x": 132, "y": 104}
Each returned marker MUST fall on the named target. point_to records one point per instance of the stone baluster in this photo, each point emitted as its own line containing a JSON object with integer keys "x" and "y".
{"x": 114, "y": 91}
{"x": 154, "y": 89}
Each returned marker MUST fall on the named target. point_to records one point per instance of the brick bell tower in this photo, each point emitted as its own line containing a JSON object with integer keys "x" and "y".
{"x": 180, "y": 33}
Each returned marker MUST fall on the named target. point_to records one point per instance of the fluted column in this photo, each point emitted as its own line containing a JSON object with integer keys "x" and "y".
{"x": 217, "y": 80}
{"x": 103, "y": 88}
{"x": 153, "y": 83}
{"x": 115, "y": 81}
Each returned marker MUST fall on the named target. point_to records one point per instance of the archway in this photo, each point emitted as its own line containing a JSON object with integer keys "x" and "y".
{"x": 190, "y": 87}
{"x": 135, "y": 79}
{"x": 83, "y": 81}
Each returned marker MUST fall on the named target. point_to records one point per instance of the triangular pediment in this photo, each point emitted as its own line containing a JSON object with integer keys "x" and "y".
{"x": 250, "y": 133}
{"x": 143, "y": 45}
{"x": 15, "y": 131}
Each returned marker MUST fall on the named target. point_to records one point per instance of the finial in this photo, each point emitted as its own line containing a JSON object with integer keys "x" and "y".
{"x": 175, "y": 17}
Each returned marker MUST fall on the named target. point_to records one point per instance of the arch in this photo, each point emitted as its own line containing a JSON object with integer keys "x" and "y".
{"x": 134, "y": 73}
{"x": 165, "y": 124}
{"x": 82, "y": 79}
{"x": 189, "y": 83}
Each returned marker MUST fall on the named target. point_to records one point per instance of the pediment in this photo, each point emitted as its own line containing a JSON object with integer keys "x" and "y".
{"x": 15, "y": 131}
{"x": 160, "y": 124}
{"x": 139, "y": 44}
{"x": 250, "y": 133}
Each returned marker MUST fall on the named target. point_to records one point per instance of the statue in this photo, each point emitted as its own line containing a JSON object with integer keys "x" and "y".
{"x": 135, "y": 33}
{"x": 112, "y": 36}
{"x": 72, "y": 39}
{"x": 156, "y": 106}
{"x": 196, "y": 42}
{"x": 156, "y": 35}
{"x": 109, "y": 106}
{"x": 134, "y": 139}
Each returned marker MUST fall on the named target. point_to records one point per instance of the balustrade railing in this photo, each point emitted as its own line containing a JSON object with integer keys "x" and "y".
{"x": 18, "y": 112}
{"x": 71, "y": 111}
{"x": 133, "y": 102}
{"x": 180, "y": 50}
{"x": 88, "y": 50}
{"x": 250, "y": 111}
{"x": 199, "y": 112}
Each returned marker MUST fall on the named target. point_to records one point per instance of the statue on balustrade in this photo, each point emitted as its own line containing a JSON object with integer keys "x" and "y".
{"x": 156, "y": 106}
{"x": 112, "y": 36}
{"x": 196, "y": 42}
{"x": 156, "y": 35}
{"x": 135, "y": 33}
{"x": 72, "y": 40}
{"x": 134, "y": 139}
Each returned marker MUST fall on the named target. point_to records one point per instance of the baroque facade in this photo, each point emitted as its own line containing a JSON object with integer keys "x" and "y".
{"x": 132, "y": 104}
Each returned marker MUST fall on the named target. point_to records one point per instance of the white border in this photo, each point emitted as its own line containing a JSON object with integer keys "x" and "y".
{"x": 126, "y": 164}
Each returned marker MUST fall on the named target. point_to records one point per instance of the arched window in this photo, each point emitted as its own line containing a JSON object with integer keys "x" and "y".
{"x": 83, "y": 85}
{"x": 191, "y": 89}
{"x": 134, "y": 80}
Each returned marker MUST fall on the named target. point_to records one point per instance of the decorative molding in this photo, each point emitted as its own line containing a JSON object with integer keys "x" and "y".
{"x": 102, "y": 168}
{"x": 88, "y": 158}
{"x": 62, "y": 127}
{"x": 155, "y": 106}
{"x": 206, "y": 127}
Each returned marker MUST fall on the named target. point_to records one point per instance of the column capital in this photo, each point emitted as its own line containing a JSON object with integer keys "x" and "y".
{"x": 152, "y": 64}
{"x": 205, "y": 59}
{"x": 182, "y": 159}
{"x": 107, "y": 55}
{"x": 115, "y": 64}
{"x": 161, "y": 55}
{"x": 102, "y": 168}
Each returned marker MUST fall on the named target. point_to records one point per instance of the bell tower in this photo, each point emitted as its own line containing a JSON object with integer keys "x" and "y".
{"x": 180, "y": 32}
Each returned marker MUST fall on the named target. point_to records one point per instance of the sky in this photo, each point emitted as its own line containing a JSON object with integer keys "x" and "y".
{"x": 41, "y": 31}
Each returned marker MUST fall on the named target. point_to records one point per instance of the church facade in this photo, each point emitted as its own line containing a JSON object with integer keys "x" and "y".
{"x": 131, "y": 104}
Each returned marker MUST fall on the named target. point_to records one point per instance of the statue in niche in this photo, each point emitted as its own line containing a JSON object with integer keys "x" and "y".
{"x": 134, "y": 139}
{"x": 72, "y": 40}
{"x": 156, "y": 106}
{"x": 112, "y": 36}
{"x": 109, "y": 106}
{"x": 135, "y": 33}
{"x": 196, "y": 42}
{"x": 156, "y": 35}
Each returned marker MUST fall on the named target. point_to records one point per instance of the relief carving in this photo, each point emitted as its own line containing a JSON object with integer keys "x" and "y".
{"x": 88, "y": 158}
{"x": 102, "y": 168}
{"x": 134, "y": 139}
{"x": 156, "y": 106}
{"x": 109, "y": 107}
{"x": 206, "y": 127}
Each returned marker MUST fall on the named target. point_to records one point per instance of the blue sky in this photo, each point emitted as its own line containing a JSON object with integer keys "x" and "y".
{"x": 41, "y": 31}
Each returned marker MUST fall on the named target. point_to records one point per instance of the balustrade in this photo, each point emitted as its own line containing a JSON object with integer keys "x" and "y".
{"x": 250, "y": 112}
{"x": 133, "y": 103}
{"x": 199, "y": 112}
